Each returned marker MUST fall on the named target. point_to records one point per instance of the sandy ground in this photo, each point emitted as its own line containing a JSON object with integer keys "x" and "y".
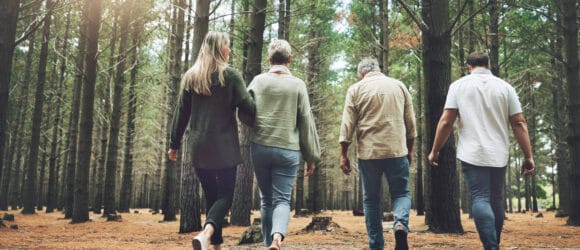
{"x": 143, "y": 230}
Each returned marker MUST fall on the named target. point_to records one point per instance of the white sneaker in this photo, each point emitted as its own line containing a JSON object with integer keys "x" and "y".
{"x": 199, "y": 242}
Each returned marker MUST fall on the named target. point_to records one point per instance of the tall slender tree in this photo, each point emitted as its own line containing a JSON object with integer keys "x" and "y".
{"x": 242, "y": 203}
{"x": 190, "y": 219}
{"x": 81, "y": 194}
{"x": 12, "y": 169}
{"x": 31, "y": 170}
{"x": 54, "y": 148}
{"x": 72, "y": 138}
{"x": 559, "y": 103}
{"x": 441, "y": 183}
{"x": 8, "y": 18}
{"x": 572, "y": 66}
{"x": 109, "y": 195}
{"x": 127, "y": 184}
{"x": 106, "y": 116}
{"x": 170, "y": 179}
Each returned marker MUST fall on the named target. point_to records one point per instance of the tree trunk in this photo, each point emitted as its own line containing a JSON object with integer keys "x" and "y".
{"x": 8, "y": 18}
{"x": 201, "y": 26}
{"x": 109, "y": 195}
{"x": 127, "y": 184}
{"x": 284, "y": 19}
{"x": 442, "y": 184}
{"x": 75, "y": 113}
{"x": 384, "y": 39}
{"x": 81, "y": 197}
{"x": 559, "y": 105}
{"x": 572, "y": 77}
{"x": 31, "y": 170}
{"x": 54, "y": 148}
{"x": 494, "y": 39}
{"x": 242, "y": 203}
{"x": 105, "y": 119}
{"x": 171, "y": 179}
{"x": 419, "y": 199}
{"x": 190, "y": 219}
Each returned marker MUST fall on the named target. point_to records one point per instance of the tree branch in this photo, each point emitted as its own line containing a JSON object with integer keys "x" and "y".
{"x": 456, "y": 19}
{"x": 32, "y": 27}
{"x": 470, "y": 18}
{"x": 422, "y": 25}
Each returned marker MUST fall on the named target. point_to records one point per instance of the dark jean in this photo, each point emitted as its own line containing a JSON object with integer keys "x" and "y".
{"x": 275, "y": 170}
{"x": 486, "y": 186}
{"x": 218, "y": 187}
{"x": 397, "y": 172}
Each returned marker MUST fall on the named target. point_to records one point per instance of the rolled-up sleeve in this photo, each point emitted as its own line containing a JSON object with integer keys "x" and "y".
{"x": 349, "y": 118}
{"x": 180, "y": 119}
{"x": 409, "y": 116}
{"x": 309, "y": 144}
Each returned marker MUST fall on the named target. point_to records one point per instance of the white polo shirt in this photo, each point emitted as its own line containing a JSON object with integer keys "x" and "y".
{"x": 484, "y": 103}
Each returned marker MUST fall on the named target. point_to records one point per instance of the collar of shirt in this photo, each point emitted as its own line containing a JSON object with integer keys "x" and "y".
{"x": 372, "y": 74}
{"x": 481, "y": 71}
{"x": 279, "y": 69}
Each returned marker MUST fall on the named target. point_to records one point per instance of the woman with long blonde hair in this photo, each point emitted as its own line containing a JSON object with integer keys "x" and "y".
{"x": 211, "y": 93}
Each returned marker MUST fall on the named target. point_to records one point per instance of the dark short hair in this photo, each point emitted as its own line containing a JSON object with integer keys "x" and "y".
{"x": 279, "y": 58}
{"x": 478, "y": 59}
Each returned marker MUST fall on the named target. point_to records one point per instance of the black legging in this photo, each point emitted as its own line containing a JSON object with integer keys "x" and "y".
{"x": 218, "y": 186}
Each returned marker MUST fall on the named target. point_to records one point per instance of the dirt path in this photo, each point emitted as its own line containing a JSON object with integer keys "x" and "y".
{"x": 143, "y": 231}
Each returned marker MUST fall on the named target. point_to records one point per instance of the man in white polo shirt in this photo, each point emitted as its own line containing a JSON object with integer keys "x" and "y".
{"x": 485, "y": 106}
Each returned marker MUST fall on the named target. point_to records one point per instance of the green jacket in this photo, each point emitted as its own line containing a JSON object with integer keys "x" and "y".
{"x": 283, "y": 115}
{"x": 213, "y": 135}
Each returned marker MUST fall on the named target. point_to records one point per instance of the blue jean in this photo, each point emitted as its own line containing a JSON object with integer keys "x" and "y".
{"x": 486, "y": 186}
{"x": 397, "y": 172}
{"x": 275, "y": 170}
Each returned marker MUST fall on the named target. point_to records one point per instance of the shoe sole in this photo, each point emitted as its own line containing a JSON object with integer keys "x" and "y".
{"x": 196, "y": 244}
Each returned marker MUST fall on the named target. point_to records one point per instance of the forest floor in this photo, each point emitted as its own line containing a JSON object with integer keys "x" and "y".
{"x": 143, "y": 230}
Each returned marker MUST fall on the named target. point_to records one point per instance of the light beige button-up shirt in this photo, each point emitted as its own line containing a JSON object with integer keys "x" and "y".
{"x": 380, "y": 111}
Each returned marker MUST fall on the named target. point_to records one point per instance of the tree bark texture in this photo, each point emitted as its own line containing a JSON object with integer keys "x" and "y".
{"x": 442, "y": 186}
{"x": 242, "y": 203}
{"x": 8, "y": 18}
{"x": 81, "y": 194}
{"x": 572, "y": 77}
{"x": 51, "y": 202}
{"x": 109, "y": 195}
{"x": 75, "y": 114}
{"x": 31, "y": 170}
{"x": 127, "y": 184}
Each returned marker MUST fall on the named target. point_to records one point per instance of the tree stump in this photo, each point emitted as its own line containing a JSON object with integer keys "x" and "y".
{"x": 8, "y": 217}
{"x": 14, "y": 226}
{"x": 540, "y": 215}
{"x": 2, "y": 224}
{"x": 322, "y": 224}
{"x": 252, "y": 235}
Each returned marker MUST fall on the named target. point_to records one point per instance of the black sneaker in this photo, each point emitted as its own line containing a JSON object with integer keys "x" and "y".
{"x": 401, "y": 240}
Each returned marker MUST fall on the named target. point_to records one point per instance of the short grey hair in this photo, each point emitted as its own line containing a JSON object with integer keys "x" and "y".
{"x": 368, "y": 64}
{"x": 279, "y": 51}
